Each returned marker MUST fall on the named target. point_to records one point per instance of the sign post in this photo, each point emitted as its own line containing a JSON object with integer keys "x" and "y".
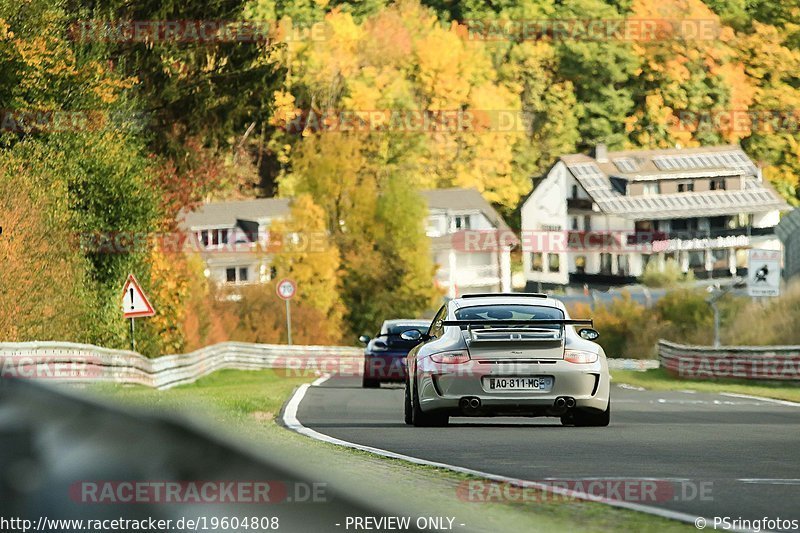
{"x": 286, "y": 290}
{"x": 135, "y": 304}
{"x": 764, "y": 273}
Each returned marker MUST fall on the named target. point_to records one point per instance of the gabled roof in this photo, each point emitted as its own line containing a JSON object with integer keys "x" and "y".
{"x": 686, "y": 163}
{"x": 228, "y": 213}
{"x": 456, "y": 199}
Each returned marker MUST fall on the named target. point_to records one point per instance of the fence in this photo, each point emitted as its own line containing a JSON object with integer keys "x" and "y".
{"x": 780, "y": 363}
{"x": 70, "y": 362}
{"x": 84, "y": 363}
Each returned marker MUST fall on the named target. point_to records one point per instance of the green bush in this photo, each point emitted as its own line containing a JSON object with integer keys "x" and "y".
{"x": 669, "y": 276}
{"x": 767, "y": 321}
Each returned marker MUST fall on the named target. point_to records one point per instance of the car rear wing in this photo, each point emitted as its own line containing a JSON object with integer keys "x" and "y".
{"x": 516, "y": 330}
{"x": 534, "y": 322}
{"x": 510, "y": 330}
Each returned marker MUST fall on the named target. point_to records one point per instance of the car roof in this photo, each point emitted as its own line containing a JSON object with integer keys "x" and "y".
{"x": 410, "y": 321}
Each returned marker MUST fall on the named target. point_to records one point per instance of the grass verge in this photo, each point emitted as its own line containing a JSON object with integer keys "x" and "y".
{"x": 660, "y": 379}
{"x": 246, "y": 404}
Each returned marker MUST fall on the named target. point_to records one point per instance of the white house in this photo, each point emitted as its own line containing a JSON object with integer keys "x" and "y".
{"x": 232, "y": 238}
{"x": 602, "y": 219}
{"x": 454, "y": 216}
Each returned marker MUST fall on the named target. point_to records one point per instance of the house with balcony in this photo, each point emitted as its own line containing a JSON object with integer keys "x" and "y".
{"x": 454, "y": 217}
{"x": 600, "y": 219}
{"x": 232, "y": 237}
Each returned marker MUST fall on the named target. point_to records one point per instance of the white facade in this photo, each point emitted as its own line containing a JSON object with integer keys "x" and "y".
{"x": 566, "y": 238}
{"x": 460, "y": 270}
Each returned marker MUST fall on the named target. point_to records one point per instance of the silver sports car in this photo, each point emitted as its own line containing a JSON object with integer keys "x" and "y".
{"x": 516, "y": 354}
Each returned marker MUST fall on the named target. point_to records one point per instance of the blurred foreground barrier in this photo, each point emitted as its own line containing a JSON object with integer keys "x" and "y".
{"x": 77, "y": 363}
{"x": 743, "y": 362}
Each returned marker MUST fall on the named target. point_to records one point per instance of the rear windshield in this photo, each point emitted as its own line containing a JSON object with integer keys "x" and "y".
{"x": 509, "y": 312}
{"x": 397, "y": 329}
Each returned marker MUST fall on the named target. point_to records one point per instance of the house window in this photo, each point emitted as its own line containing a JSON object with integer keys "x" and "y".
{"x": 717, "y": 184}
{"x": 622, "y": 265}
{"x": 580, "y": 264}
{"x": 223, "y": 236}
{"x": 204, "y": 238}
{"x": 605, "y": 264}
{"x": 587, "y": 223}
{"x": 536, "y": 261}
{"x": 651, "y": 189}
{"x": 461, "y": 221}
{"x": 574, "y": 223}
{"x": 686, "y": 186}
{"x": 237, "y": 274}
{"x": 574, "y": 191}
{"x": 553, "y": 262}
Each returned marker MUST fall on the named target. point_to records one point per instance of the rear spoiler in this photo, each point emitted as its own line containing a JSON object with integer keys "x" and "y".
{"x": 534, "y": 322}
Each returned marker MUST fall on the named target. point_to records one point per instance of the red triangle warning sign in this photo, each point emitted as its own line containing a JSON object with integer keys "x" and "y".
{"x": 134, "y": 303}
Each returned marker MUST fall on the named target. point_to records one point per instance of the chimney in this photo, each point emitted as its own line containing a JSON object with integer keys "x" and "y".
{"x": 601, "y": 153}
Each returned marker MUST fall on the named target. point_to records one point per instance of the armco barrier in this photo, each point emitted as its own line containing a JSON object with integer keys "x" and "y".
{"x": 741, "y": 362}
{"x": 77, "y": 363}
{"x": 84, "y": 363}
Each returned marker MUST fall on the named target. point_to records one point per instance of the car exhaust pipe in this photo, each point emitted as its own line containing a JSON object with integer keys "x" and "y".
{"x": 469, "y": 405}
{"x": 560, "y": 402}
{"x": 570, "y": 402}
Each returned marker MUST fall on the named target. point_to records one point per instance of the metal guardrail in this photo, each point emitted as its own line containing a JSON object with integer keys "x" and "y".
{"x": 85, "y": 363}
{"x": 82, "y": 363}
{"x": 639, "y": 365}
{"x": 779, "y": 363}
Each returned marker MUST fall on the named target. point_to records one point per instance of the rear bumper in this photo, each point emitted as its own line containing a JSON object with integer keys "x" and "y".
{"x": 441, "y": 388}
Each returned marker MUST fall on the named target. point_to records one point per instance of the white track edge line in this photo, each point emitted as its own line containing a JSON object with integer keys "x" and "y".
{"x": 291, "y": 422}
{"x": 761, "y": 398}
{"x": 320, "y": 380}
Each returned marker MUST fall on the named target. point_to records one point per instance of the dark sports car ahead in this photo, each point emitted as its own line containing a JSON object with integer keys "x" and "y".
{"x": 385, "y": 355}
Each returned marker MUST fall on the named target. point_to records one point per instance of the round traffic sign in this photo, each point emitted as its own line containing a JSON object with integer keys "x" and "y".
{"x": 286, "y": 289}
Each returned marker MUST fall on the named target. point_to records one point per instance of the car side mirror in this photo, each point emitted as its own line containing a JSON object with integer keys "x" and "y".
{"x": 363, "y": 339}
{"x": 411, "y": 335}
{"x": 588, "y": 333}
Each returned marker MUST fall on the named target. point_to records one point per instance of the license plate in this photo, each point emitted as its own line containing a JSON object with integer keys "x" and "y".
{"x": 529, "y": 383}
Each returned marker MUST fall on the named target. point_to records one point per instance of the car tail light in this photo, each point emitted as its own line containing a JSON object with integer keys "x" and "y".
{"x": 450, "y": 358}
{"x": 580, "y": 356}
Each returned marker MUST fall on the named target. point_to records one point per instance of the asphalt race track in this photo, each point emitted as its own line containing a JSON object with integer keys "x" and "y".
{"x": 744, "y": 452}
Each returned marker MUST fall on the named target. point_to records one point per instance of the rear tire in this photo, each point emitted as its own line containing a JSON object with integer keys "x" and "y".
{"x": 407, "y": 405}
{"x": 421, "y": 419}
{"x": 369, "y": 383}
{"x": 592, "y": 418}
